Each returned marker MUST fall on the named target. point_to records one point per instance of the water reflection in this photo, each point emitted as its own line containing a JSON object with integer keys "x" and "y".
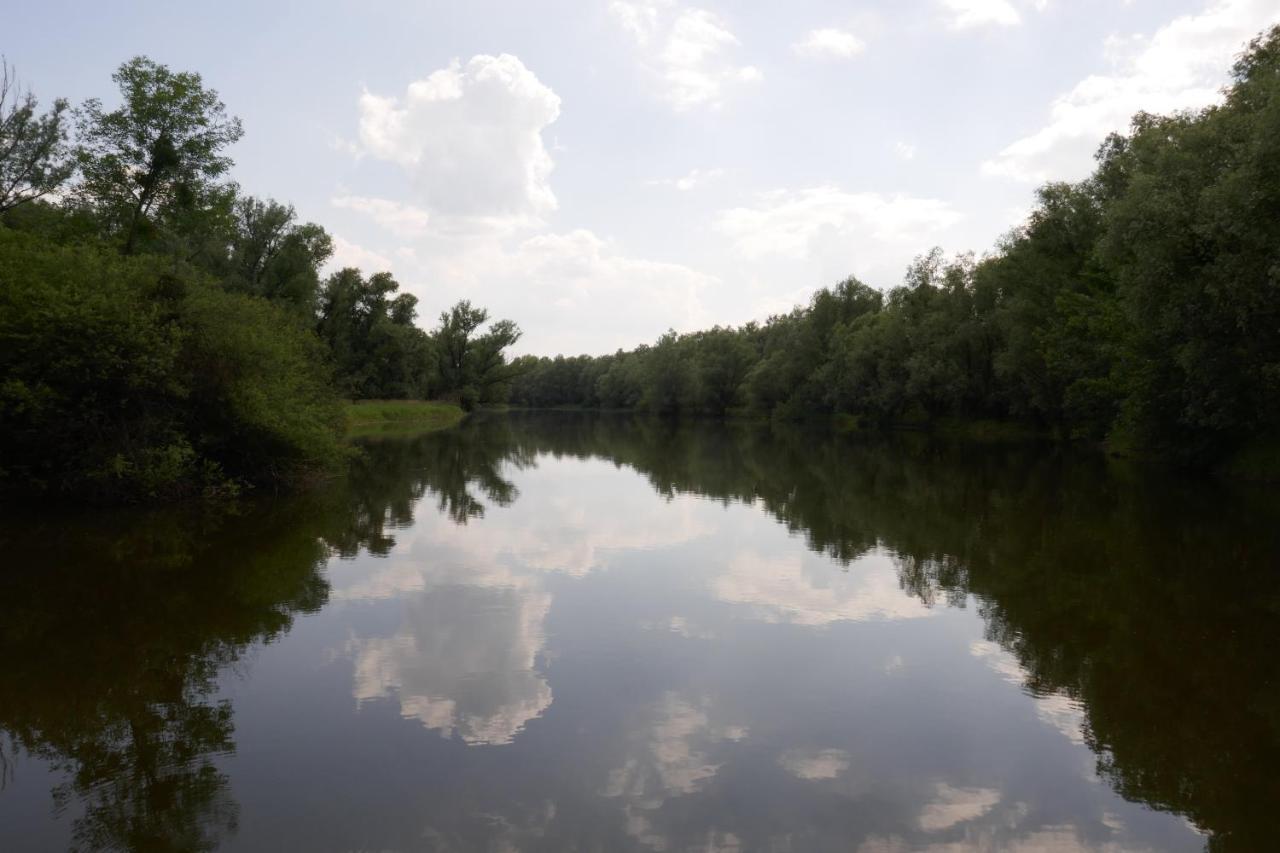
{"x": 806, "y": 641}
{"x": 462, "y": 662}
{"x": 114, "y": 630}
{"x": 1139, "y": 613}
{"x": 797, "y": 588}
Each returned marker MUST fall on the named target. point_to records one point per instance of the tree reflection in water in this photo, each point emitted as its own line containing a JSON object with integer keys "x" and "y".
{"x": 1151, "y": 602}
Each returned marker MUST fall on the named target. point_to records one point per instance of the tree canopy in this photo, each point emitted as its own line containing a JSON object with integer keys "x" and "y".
{"x": 163, "y": 333}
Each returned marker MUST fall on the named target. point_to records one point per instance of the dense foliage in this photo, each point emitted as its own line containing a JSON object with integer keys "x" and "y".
{"x": 164, "y": 334}
{"x": 1141, "y": 305}
{"x": 123, "y": 378}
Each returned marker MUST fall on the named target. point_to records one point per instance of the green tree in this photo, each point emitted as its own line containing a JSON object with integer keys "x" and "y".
{"x": 473, "y": 367}
{"x": 152, "y": 167}
{"x": 124, "y": 379}
{"x": 1192, "y": 237}
{"x": 723, "y": 357}
{"x": 271, "y": 255}
{"x": 34, "y": 158}
{"x": 377, "y": 350}
{"x": 668, "y": 375}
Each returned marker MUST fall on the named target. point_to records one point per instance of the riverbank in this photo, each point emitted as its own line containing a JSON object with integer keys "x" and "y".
{"x": 378, "y": 417}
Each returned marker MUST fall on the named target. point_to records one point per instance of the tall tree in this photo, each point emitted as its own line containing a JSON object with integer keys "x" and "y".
{"x": 271, "y": 255}
{"x": 473, "y": 367}
{"x": 154, "y": 163}
{"x": 376, "y": 349}
{"x": 34, "y": 158}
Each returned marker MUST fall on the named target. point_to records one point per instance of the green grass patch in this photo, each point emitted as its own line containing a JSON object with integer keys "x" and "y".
{"x": 379, "y": 417}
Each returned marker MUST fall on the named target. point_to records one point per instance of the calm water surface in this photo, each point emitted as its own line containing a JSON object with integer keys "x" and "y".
{"x": 562, "y": 633}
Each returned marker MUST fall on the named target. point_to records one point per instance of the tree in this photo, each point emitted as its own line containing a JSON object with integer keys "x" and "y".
{"x": 376, "y": 349}
{"x": 723, "y": 358}
{"x": 34, "y": 159}
{"x": 123, "y": 380}
{"x": 270, "y": 255}
{"x": 1191, "y": 237}
{"x": 473, "y": 367}
{"x": 153, "y": 164}
{"x": 668, "y": 375}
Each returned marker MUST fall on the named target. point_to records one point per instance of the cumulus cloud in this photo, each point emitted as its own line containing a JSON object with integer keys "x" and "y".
{"x": 800, "y": 589}
{"x": 688, "y": 49}
{"x": 1182, "y": 66}
{"x": 788, "y": 222}
{"x": 671, "y": 757}
{"x": 830, "y": 43}
{"x": 951, "y": 806}
{"x": 668, "y": 759}
{"x": 462, "y": 662}
{"x": 469, "y": 136}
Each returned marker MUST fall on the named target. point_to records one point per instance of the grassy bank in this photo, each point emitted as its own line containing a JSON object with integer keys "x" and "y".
{"x": 377, "y": 417}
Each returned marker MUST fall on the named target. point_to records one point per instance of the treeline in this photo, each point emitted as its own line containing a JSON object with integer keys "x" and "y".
{"x": 1140, "y": 306}
{"x": 162, "y": 332}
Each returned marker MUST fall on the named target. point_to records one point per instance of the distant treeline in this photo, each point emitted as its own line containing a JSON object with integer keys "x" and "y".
{"x": 163, "y": 333}
{"x": 1140, "y": 306}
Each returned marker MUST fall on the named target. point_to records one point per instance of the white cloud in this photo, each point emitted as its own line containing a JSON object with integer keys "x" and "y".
{"x": 687, "y": 48}
{"x": 630, "y": 299}
{"x": 462, "y": 662}
{"x": 963, "y": 14}
{"x": 789, "y": 222}
{"x": 348, "y": 254}
{"x": 668, "y": 759}
{"x": 562, "y": 532}
{"x": 548, "y": 282}
{"x": 1054, "y": 709}
{"x": 572, "y": 292}
{"x": 830, "y": 43}
{"x": 905, "y": 150}
{"x": 800, "y": 589}
{"x": 639, "y": 18}
{"x": 695, "y": 178}
{"x": 470, "y": 137}
{"x": 815, "y": 765}
{"x": 951, "y": 806}
{"x": 681, "y": 767}
{"x": 1181, "y": 67}
{"x": 403, "y": 220}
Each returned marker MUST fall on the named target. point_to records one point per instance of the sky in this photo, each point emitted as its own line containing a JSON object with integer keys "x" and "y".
{"x": 601, "y": 171}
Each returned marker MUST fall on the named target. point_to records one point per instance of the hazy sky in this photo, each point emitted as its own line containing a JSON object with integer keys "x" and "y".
{"x": 602, "y": 171}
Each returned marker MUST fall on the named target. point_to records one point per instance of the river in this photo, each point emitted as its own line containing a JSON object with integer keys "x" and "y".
{"x": 555, "y": 632}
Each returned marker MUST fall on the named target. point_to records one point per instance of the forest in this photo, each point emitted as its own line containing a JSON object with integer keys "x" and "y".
{"x": 1138, "y": 308}
{"x": 165, "y": 334}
